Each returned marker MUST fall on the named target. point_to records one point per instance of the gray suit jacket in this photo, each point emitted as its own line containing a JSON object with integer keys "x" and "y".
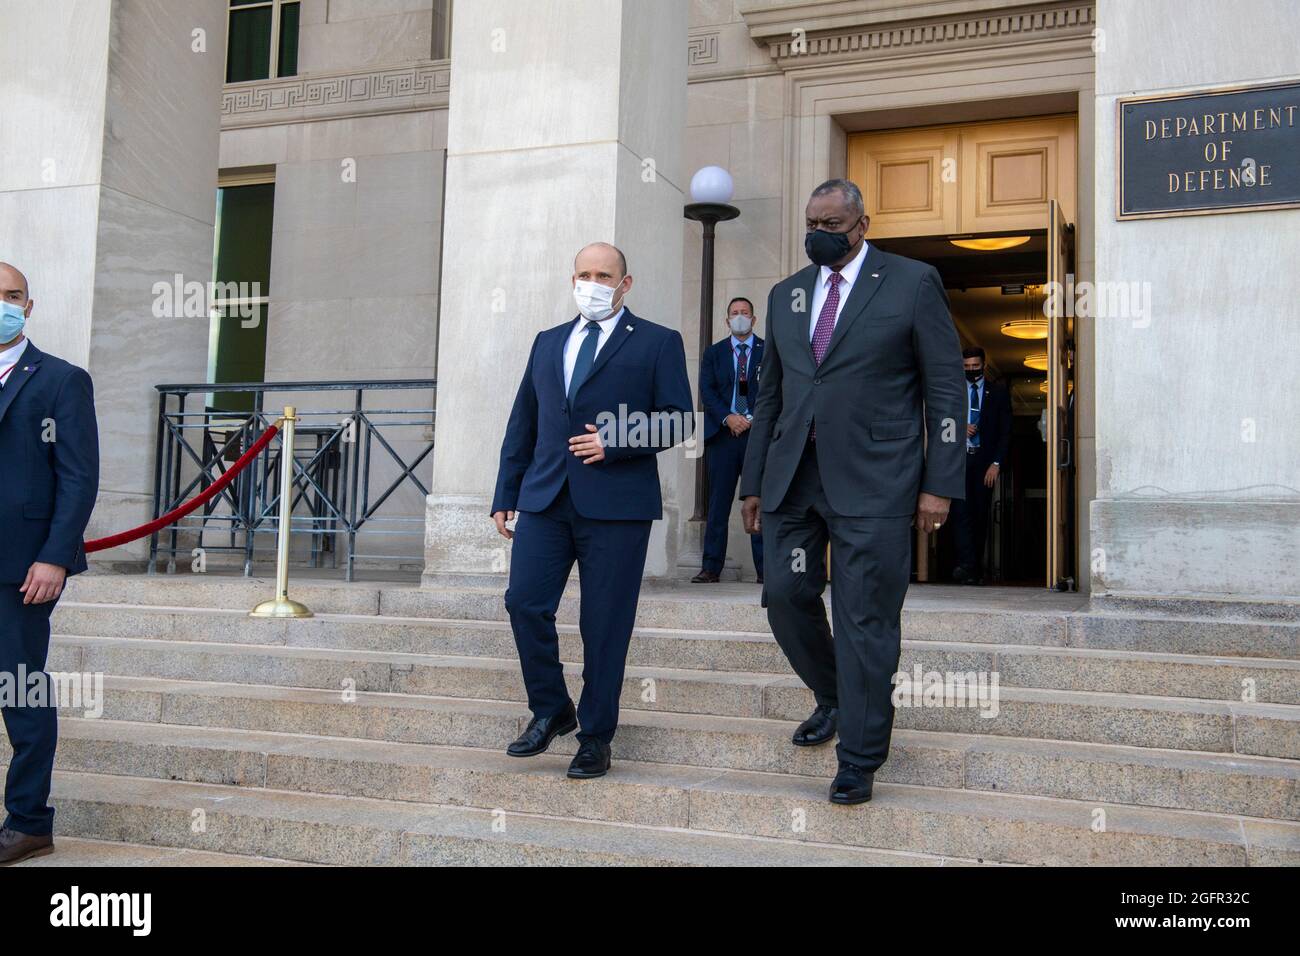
{"x": 889, "y": 397}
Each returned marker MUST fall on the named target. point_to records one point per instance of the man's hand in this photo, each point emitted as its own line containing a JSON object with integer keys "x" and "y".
{"x": 971, "y": 430}
{"x": 588, "y": 447}
{"x": 931, "y": 512}
{"x": 44, "y": 583}
{"x": 749, "y": 513}
{"x": 738, "y": 424}
{"x": 991, "y": 475}
{"x": 501, "y": 517}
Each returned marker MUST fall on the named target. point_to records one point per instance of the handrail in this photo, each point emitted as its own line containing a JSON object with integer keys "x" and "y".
{"x": 341, "y": 447}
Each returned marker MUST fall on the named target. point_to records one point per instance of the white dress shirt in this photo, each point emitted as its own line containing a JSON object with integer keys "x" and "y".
{"x": 848, "y": 276}
{"x": 579, "y": 335}
{"x": 9, "y": 359}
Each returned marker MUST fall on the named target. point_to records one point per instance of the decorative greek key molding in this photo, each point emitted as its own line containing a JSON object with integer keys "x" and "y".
{"x": 793, "y": 42}
{"x": 702, "y": 49}
{"x": 311, "y": 97}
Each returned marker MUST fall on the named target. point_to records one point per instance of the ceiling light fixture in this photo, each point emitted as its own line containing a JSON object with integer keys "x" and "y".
{"x": 990, "y": 244}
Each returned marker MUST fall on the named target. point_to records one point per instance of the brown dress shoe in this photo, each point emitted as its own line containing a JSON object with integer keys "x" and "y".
{"x": 16, "y": 847}
{"x": 705, "y": 577}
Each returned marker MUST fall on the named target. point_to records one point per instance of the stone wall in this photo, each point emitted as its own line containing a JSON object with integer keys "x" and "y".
{"x": 1198, "y": 443}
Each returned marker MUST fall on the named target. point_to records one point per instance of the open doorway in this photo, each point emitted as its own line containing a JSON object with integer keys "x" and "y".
{"x": 998, "y": 286}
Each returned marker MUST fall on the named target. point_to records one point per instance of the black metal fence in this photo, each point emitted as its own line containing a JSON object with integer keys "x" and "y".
{"x": 340, "y": 459}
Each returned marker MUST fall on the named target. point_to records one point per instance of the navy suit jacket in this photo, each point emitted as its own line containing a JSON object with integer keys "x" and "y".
{"x": 640, "y": 371}
{"x": 718, "y": 380}
{"x": 995, "y": 423}
{"x": 49, "y": 464}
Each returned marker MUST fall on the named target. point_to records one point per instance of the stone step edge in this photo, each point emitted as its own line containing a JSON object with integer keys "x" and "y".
{"x": 491, "y": 662}
{"x": 422, "y": 819}
{"x": 93, "y": 851}
{"x": 1197, "y": 705}
{"x": 1198, "y": 828}
{"x": 289, "y": 744}
{"x": 705, "y": 636}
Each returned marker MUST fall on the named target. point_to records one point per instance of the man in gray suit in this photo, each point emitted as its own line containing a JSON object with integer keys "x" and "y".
{"x": 858, "y": 434}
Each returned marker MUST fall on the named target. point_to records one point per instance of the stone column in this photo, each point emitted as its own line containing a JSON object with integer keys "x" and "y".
{"x": 565, "y": 127}
{"x": 109, "y": 127}
{"x": 1198, "y": 443}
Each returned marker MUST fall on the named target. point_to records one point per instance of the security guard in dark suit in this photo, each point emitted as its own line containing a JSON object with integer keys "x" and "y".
{"x": 988, "y": 441}
{"x": 49, "y": 476}
{"x": 728, "y": 386}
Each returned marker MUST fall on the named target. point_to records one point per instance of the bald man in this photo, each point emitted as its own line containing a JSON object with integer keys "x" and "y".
{"x": 583, "y": 480}
{"x": 49, "y": 475}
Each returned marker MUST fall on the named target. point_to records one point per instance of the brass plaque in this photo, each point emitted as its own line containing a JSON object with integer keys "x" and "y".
{"x": 1190, "y": 154}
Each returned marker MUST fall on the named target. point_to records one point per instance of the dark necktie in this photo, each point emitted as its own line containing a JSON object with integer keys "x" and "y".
{"x": 586, "y": 359}
{"x": 975, "y": 412}
{"x": 742, "y": 377}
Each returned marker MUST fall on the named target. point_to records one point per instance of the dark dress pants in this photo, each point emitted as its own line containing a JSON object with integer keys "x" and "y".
{"x": 871, "y": 566}
{"x": 971, "y": 517}
{"x": 611, "y": 559}
{"x": 32, "y": 730}
{"x": 724, "y": 454}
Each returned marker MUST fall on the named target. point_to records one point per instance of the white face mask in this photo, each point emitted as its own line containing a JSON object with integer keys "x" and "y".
{"x": 740, "y": 324}
{"x": 595, "y": 301}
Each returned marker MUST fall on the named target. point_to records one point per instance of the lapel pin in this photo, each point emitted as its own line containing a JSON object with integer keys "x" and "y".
{"x": 628, "y": 327}
{"x": 875, "y": 275}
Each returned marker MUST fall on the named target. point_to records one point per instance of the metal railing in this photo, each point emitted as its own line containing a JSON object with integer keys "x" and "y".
{"x": 337, "y": 453}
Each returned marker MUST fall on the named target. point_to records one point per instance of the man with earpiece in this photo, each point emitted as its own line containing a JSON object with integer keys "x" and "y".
{"x": 728, "y": 386}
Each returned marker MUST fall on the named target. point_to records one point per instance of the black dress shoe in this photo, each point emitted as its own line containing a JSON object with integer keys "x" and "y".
{"x": 591, "y": 760}
{"x": 16, "y": 847}
{"x": 541, "y": 731}
{"x": 851, "y": 785}
{"x": 960, "y": 575}
{"x": 818, "y": 728}
{"x": 705, "y": 577}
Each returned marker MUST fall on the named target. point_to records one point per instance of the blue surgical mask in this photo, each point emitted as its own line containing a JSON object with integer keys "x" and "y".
{"x": 12, "y": 321}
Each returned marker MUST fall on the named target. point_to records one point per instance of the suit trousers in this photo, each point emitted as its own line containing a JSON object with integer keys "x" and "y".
{"x": 970, "y": 517}
{"x": 611, "y": 559}
{"x": 724, "y": 454}
{"x": 851, "y": 667}
{"x": 32, "y": 730}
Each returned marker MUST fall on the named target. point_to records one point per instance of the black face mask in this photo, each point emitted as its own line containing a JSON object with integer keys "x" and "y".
{"x": 974, "y": 375}
{"x": 825, "y": 248}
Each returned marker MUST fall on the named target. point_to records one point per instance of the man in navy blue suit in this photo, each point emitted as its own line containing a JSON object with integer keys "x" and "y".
{"x": 602, "y": 394}
{"x": 728, "y": 387}
{"x": 49, "y": 475}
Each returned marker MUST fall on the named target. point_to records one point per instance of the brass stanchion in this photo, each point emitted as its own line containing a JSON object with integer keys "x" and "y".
{"x": 280, "y": 605}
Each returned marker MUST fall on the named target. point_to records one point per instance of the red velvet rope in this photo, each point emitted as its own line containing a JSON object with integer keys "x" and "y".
{"x": 214, "y": 489}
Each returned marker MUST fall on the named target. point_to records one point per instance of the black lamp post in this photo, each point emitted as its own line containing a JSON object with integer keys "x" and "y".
{"x": 716, "y": 186}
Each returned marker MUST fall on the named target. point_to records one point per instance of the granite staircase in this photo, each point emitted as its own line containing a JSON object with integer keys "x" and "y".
{"x": 373, "y": 733}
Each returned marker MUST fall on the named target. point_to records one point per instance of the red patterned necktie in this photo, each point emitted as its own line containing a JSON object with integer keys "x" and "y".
{"x": 826, "y": 320}
{"x": 825, "y": 326}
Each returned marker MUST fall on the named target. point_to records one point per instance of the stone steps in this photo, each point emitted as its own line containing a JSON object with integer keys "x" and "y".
{"x": 72, "y": 851}
{"x": 441, "y": 807}
{"x": 373, "y": 733}
{"x": 1062, "y": 668}
{"x": 1270, "y": 730}
{"x": 1216, "y": 782}
{"x": 356, "y": 831}
{"x": 728, "y": 608}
